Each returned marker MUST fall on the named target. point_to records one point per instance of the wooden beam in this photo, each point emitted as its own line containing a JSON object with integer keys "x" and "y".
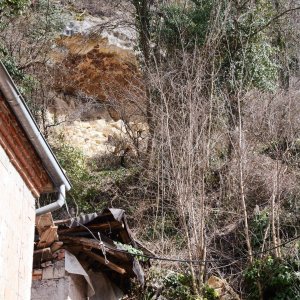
{"x": 101, "y": 260}
{"x": 94, "y": 244}
{"x": 74, "y": 249}
{"x": 125, "y": 236}
{"x": 37, "y": 274}
{"x": 48, "y": 237}
{"x": 43, "y": 222}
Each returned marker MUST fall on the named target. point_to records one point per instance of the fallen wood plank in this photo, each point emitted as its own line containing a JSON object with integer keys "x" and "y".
{"x": 74, "y": 249}
{"x": 95, "y": 244}
{"x": 37, "y": 274}
{"x": 101, "y": 260}
{"x": 125, "y": 236}
{"x": 47, "y": 237}
{"x": 143, "y": 248}
{"x": 43, "y": 222}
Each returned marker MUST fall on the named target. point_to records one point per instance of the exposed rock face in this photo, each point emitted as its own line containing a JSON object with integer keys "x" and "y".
{"x": 100, "y": 136}
{"x": 97, "y": 77}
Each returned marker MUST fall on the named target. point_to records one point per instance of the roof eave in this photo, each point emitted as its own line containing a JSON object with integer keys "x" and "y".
{"x": 31, "y": 129}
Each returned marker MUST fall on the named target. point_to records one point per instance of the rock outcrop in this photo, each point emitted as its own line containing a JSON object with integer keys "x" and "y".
{"x": 225, "y": 292}
{"x": 97, "y": 80}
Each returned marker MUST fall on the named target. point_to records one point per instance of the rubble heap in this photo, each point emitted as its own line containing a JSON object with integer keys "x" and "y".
{"x": 88, "y": 252}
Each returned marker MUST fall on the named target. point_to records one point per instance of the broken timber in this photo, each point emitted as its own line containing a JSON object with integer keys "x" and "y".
{"x": 47, "y": 231}
{"x": 80, "y": 237}
{"x": 101, "y": 260}
{"x": 95, "y": 245}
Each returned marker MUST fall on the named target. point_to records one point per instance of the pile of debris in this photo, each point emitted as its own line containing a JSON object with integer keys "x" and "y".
{"x": 87, "y": 256}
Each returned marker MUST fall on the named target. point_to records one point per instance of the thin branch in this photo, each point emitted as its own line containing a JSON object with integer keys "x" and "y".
{"x": 273, "y": 19}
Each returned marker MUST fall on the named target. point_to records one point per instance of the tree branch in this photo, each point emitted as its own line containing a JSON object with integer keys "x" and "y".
{"x": 274, "y": 19}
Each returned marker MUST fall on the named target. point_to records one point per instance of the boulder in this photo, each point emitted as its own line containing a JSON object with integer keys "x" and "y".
{"x": 223, "y": 289}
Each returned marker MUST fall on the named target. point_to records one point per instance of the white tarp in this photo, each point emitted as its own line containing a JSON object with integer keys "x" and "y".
{"x": 104, "y": 288}
{"x": 73, "y": 266}
{"x": 99, "y": 285}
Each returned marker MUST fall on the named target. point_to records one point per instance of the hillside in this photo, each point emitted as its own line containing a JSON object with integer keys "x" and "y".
{"x": 186, "y": 115}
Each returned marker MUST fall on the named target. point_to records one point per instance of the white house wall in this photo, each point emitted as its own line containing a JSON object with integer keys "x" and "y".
{"x": 17, "y": 218}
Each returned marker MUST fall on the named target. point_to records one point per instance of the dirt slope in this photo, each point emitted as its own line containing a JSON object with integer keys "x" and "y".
{"x": 89, "y": 65}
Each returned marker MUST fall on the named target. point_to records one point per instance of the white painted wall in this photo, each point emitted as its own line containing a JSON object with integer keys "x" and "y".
{"x": 17, "y": 218}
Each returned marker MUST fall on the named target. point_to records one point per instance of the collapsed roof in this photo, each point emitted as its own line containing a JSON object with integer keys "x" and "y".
{"x": 101, "y": 242}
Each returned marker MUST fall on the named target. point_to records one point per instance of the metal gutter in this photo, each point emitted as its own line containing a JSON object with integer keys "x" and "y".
{"x": 30, "y": 127}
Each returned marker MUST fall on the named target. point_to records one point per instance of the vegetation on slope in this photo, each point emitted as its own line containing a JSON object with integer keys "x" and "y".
{"x": 217, "y": 177}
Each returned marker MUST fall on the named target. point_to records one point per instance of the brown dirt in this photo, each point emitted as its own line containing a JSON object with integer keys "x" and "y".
{"x": 109, "y": 74}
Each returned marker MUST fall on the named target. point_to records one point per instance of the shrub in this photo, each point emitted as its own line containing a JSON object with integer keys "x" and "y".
{"x": 12, "y": 7}
{"x": 278, "y": 279}
{"x": 73, "y": 162}
{"x": 168, "y": 285}
{"x": 185, "y": 26}
{"x": 259, "y": 224}
{"x": 92, "y": 189}
{"x": 210, "y": 293}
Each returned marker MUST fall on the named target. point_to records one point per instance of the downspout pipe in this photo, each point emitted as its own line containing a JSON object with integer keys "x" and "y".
{"x": 55, "y": 205}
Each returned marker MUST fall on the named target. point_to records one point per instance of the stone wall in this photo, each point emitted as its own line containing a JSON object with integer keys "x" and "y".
{"x": 72, "y": 287}
{"x": 57, "y": 283}
{"x": 17, "y": 217}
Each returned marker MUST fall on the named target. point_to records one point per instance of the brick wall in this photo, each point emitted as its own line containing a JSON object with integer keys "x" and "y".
{"x": 19, "y": 149}
{"x": 17, "y": 217}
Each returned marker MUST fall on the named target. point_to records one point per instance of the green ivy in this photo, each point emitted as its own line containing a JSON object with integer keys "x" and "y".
{"x": 91, "y": 188}
{"x": 130, "y": 249}
{"x": 171, "y": 285}
{"x": 178, "y": 286}
{"x": 247, "y": 55}
{"x": 185, "y": 26}
{"x": 252, "y": 53}
{"x": 279, "y": 279}
{"x": 210, "y": 293}
{"x": 74, "y": 163}
{"x": 258, "y": 227}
